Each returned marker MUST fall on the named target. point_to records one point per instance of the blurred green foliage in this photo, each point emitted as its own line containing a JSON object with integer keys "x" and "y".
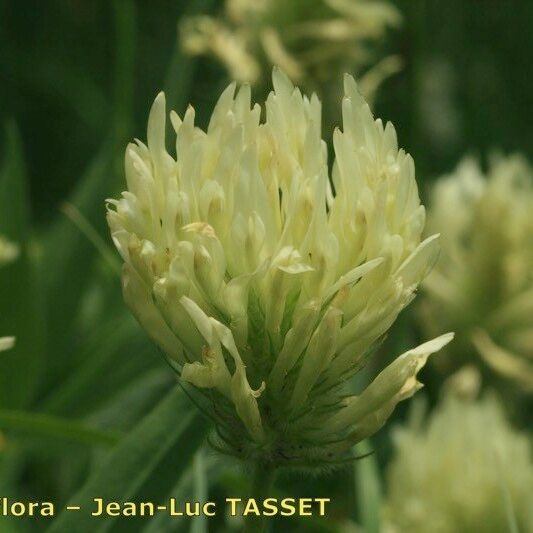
{"x": 466, "y": 59}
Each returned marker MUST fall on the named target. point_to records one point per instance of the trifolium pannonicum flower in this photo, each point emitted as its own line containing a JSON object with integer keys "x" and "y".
{"x": 266, "y": 282}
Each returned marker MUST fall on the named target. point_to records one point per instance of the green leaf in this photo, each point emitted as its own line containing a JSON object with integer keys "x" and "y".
{"x": 199, "y": 525}
{"x": 143, "y": 467}
{"x": 14, "y": 199}
{"x": 368, "y": 489}
{"x": 194, "y": 482}
{"x": 134, "y": 400}
{"x": 106, "y": 364}
{"x": 20, "y": 313}
{"x": 41, "y": 425}
{"x": 67, "y": 262}
{"x": 165, "y": 523}
{"x": 68, "y": 255}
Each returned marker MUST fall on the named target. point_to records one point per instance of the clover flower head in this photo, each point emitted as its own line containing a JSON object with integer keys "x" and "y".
{"x": 311, "y": 40}
{"x": 482, "y": 286}
{"x": 266, "y": 282}
{"x": 467, "y": 470}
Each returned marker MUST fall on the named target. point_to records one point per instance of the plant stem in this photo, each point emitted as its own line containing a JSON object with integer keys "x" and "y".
{"x": 262, "y": 483}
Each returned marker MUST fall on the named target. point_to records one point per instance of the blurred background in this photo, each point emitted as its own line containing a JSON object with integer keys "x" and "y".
{"x": 87, "y": 403}
{"x": 75, "y": 71}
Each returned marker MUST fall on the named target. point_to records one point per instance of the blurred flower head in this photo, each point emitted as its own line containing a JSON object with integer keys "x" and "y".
{"x": 312, "y": 40}
{"x": 9, "y": 251}
{"x": 482, "y": 286}
{"x": 6, "y": 343}
{"x": 266, "y": 287}
{"x": 468, "y": 470}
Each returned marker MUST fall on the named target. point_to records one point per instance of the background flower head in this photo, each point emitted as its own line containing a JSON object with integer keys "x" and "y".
{"x": 313, "y": 41}
{"x": 482, "y": 286}
{"x": 468, "y": 470}
{"x": 9, "y": 251}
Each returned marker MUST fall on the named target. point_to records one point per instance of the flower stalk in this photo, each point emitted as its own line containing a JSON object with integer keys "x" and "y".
{"x": 262, "y": 483}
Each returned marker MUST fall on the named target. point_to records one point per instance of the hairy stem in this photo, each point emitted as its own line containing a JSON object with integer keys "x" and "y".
{"x": 262, "y": 482}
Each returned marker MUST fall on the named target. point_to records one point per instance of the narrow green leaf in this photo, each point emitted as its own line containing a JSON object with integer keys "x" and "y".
{"x": 190, "y": 484}
{"x": 143, "y": 467}
{"x": 368, "y": 489}
{"x": 107, "y": 253}
{"x": 67, "y": 262}
{"x": 20, "y": 313}
{"x": 106, "y": 364}
{"x": 14, "y": 199}
{"x": 163, "y": 523}
{"x": 39, "y": 425}
{"x": 199, "y": 525}
{"x": 68, "y": 256}
{"x": 134, "y": 400}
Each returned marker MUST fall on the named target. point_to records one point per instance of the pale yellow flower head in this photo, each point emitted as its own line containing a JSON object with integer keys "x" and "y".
{"x": 6, "y": 343}
{"x": 310, "y": 40}
{"x": 467, "y": 471}
{"x": 9, "y": 251}
{"x": 482, "y": 286}
{"x": 266, "y": 287}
